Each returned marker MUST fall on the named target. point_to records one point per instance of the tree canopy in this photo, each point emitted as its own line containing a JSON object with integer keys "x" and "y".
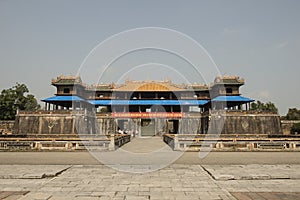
{"x": 293, "y": 114}
{"x": 14, "y": 99}
{"x": 260, "y": 106}
{"x": 295, "y": 128}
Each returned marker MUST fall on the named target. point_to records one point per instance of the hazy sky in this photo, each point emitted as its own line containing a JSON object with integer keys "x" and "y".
{"x": 256, "y": 40}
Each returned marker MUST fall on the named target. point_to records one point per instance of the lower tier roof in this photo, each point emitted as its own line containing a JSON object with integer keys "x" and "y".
{"x": 232, "y": 99}
{"x": 149, "y": 102}
{"x": 188, "y": 102}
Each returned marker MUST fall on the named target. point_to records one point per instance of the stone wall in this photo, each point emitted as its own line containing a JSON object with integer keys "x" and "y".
{"x": 225, "y": 122}
{"x": 189, "y": 126}
{"x": 287, "y": 125}
{"x": 62, "y": 122}
{"x": 44, "y": 122}
{"x": 6, "y": 126}
{"x": 105, "y": 125}
{"x": 245, "y": 122}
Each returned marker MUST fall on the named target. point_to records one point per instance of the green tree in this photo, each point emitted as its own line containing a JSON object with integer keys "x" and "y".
{"x": 293, "y": 114}
{"x": 295, "y": 128}
{"x": 14, "y": 99}
{"x": 260, "y": 106}
{"x": 103, "y": 110}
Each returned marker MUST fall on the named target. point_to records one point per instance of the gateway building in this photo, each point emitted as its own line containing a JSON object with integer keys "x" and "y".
{"x": 149, "y": 108}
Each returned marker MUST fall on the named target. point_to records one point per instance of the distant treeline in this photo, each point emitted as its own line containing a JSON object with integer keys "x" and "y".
{"x": 293, "y": 114}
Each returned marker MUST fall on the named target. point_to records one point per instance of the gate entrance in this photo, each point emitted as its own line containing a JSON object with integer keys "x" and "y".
{"x": 173, "y": 126}
{"x": 147, "y": 127}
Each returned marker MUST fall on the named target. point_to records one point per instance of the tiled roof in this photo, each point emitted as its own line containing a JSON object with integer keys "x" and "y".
{"x": 63, "y": 98}
{"x": 148, "y": 102}
{"x": 66, "y": 80}
{"x": 145, "y": 86}
{"x": 101, "y": 87}
{"x": 229, "y": 80}
{"x": 232, "y": 99}
{"x": 199, "y": 87}
{"x": 148, "y": 86}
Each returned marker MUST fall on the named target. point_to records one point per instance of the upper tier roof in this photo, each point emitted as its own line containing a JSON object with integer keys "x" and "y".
{"x": 235, "y": 80}
{"x": 161, "y": 86}
{"x": 66, "y": 80}
{"x": 148, "y": 86}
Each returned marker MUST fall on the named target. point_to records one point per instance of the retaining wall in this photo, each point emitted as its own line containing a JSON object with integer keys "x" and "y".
{"x": 224, "y": 122}
{"x": 245, "y": 122}
{"x": 287, "y": 125}
{"x": 63, "y": 122}
{"x": 6, "y": 126}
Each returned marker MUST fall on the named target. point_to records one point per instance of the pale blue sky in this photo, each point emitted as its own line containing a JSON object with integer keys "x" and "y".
{"x": 257, "y": 40}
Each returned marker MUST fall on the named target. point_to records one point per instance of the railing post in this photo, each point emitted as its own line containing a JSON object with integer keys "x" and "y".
{"x": 68, "y": 145}
{"x": 292, "y": 145}
{"x": 111, "y": 146}
{"x": 38, "y": 145}
{"x": 251, "y": 146}
{"x": 219, "y": 145}
{"x": 176, "y": 143}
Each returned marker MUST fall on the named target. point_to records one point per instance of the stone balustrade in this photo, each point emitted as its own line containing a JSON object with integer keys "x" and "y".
{"x": 231, "y": 142}
{"x": 65, "y": 142}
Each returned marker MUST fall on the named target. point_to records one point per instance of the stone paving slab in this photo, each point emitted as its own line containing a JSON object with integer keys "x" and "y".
{"x": 253, "y": 172}
{"x": 173, "y": 182}
{"x": 266, "y": 195}
{"x": 102, "y": 182}
{"x": 137, "y": 145}
{"x": 30, "y": 171}
{"x": 271, "y": 185}
{"x": 12, "y": 194}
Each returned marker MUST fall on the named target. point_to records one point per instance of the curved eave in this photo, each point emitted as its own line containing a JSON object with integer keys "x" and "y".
{"x": 232, "y": 99}
{"x": 62, "y": 99}
{"x": 148, "y": 102}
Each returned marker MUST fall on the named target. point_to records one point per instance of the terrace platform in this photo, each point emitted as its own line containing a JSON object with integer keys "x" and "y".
{"x": 177, "y": 181}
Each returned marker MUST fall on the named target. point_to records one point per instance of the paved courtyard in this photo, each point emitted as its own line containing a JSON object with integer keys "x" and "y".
{"x": 221, "y": 175}
{"x": 176, "y": 181}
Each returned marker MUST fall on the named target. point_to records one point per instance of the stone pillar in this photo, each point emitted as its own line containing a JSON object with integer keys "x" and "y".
{"x": 157, "y": 126}
{"x": 68, "y": 145}
{"x": 292, "y": 145}
{"x": 140, "y": 127}
{"x": 61, "y": 125}
{"x": 73, "y": 124}
{"x": 176, "y": 143}
{"x": 219, "y": 145}
{"x": 40, "y": 125}
{"x": 38, "y": 145}
{"x": 111, "y": 146}
{"x": 251, "y": 146}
